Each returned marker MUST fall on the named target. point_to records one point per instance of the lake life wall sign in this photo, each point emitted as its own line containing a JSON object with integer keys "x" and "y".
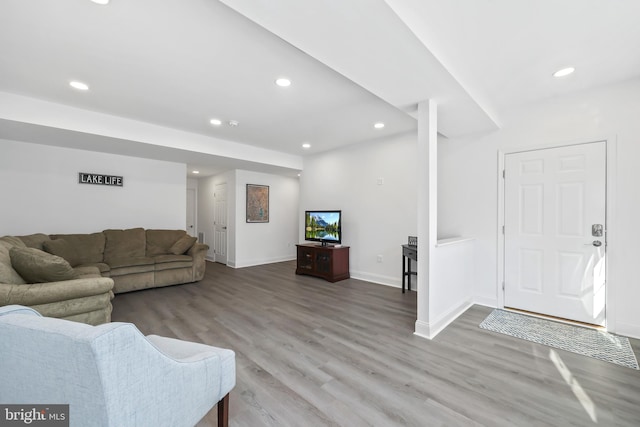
{"x": 257, "y": 203}
{"x": 97, "y": 179}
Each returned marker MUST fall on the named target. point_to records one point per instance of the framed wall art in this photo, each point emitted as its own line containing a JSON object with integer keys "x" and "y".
{"x": 257, "y": 203}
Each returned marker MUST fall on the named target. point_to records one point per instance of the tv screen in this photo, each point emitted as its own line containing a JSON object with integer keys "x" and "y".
{"x": 323, "y": 226}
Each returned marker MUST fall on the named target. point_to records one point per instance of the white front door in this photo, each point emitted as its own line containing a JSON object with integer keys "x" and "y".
{"x": 220, "y": 223}
{"x": 555, "y": 242}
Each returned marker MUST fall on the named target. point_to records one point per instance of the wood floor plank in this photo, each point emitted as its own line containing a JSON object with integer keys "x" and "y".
{"x": 314, "y": 353}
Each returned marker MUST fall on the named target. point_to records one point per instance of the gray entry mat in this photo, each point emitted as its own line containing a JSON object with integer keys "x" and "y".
{"x": 587, "y": 342}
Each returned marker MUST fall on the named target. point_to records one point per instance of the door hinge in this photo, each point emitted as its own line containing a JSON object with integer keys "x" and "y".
{"x": 503, "y": 286}
{"x": 503, "y": 173}
{"x": 503, "y": 229}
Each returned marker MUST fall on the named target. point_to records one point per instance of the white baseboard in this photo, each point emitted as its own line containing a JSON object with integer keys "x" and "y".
{"x": 626, "y": 330}
{"x": 429, "y": 330}
{"x": 487, "y": 302}
{"x": 375, "y": 278}
{"x": 423, "y": 329}
{"x": 445, "y": 319}
{"x": 252, "y": 263}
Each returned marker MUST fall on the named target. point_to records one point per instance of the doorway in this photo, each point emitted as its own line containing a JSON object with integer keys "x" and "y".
{"x": 191, "y": 212}
{"x": 554, "y": 234}
{"x": 220, "y": 223}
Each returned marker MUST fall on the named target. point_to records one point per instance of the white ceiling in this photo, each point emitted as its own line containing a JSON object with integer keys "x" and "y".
{"x": 178, "y": 64}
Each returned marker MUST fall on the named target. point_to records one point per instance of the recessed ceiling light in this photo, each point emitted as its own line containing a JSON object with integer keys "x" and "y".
{"x": 283, "y": 82}
{"x": 306, "y": 145}
{"x": 103, "y": 2}
{"x": 233, "y": 123}
{"x": 379, "y": 125}
{"x": 215, "y": 122}
{"x": 564, "y": 72}
{"x": 79, "y": 85}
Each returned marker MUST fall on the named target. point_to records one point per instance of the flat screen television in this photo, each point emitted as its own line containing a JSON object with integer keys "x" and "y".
{"x": 323, "y": 226}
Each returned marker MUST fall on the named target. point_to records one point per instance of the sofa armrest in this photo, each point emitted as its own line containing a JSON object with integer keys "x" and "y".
{"x": 44, "y": 293}
{"x": 198, "y": 252}
{"x": 196, "y": 248}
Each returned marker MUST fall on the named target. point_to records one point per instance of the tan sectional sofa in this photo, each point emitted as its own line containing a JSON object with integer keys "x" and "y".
{"x": 99, "y": 264}
{"x": 83, "y": 295}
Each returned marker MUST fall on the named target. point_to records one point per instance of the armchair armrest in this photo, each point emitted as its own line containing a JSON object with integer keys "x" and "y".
{"x": 18, "y": 309}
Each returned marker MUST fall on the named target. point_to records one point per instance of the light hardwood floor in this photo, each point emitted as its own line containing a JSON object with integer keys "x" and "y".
{"x": 313, "y": 353}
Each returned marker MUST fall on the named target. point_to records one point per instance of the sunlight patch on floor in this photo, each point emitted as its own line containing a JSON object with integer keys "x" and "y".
{"x": 577, "y": 389}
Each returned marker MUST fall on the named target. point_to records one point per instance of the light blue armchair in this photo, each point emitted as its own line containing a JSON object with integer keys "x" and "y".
{"x": 111, "y": 374}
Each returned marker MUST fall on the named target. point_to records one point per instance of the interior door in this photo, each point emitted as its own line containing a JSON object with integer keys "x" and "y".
{"x": 220, "y": 223}
{"x": 555, "y": 242}
{"x": 191, "y": 211}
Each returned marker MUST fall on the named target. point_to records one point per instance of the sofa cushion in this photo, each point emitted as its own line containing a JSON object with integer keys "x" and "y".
{"x": 8, "y": 274}
{"x": 121, "y": 244}
{"x": 87, "y": 271}
{"x": 131, "y": 270}
{"x": 160, "y": 259}
{"x": 123, "y": 266}
{"x": 159, "y": 242}
{"x": 37, "y": 266}
{"x": 182, "y": 245}
{"x": 153, "y": 250}
{"x": 130, "y": 262}
{"x": 173, "y": 276}
{"x": 175, "y": 265}
{"x": 63, "y": 249}
{"x": 168, "y": 262}
{"x": 104, "y": 268}
{"x": 34, "y": 240}
{"x": 13, "y": 241}
{"x": 77, "y": 248}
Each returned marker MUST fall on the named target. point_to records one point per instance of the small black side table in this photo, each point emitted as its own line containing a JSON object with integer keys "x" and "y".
{"x": 410, "y": 253}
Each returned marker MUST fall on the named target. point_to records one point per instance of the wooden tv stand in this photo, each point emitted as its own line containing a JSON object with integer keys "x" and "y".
{"x": 329, "y": 262}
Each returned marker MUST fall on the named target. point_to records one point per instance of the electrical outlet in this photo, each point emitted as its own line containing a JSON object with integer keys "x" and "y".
{"x": 380, "y": 258}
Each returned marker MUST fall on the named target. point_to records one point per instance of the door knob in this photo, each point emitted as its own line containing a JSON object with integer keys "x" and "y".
{"x": 597, "y": 243}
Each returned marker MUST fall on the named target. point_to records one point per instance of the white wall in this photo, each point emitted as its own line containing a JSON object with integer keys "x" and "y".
{"x": 40, "y": 191}
{"x": 263, "y": 243}
{"x": 253, "y": 243}
{"x": 451, "y": 291}
{"x": 192, "y": 183}
{"x": 376, "y": 218}
{"x": 469, "y": 182}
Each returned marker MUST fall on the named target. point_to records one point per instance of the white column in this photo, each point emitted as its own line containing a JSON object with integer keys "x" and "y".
{"x": 427, "y": 209}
